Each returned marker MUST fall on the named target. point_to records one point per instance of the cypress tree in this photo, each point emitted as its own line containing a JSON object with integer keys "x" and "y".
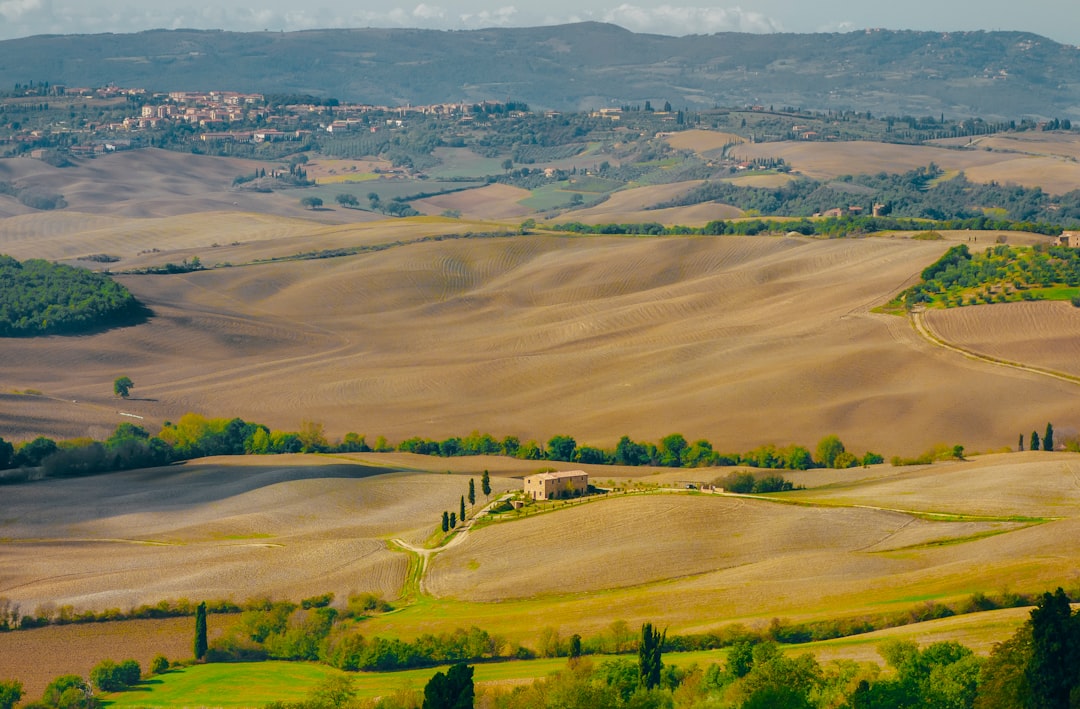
{"x": 1048, "y": 438}
{"x": 485, "y": 484}
{"x": 453, "y": 520}
{"x": 1034, "y": 441}
{"x": 1021, "y": 444}
{"x": 445, "y": 521}
{"x": 649, "y": 661}
{"x": 462, "y": 509}
{"x": 200, "y": 631}
{"x": 472, "y": 491}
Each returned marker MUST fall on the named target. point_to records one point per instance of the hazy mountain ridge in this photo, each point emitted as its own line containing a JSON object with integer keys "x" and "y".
{"x": 993, "y": 74}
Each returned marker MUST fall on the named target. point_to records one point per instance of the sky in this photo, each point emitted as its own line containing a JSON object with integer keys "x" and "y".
{"x": 1056, "y": 19}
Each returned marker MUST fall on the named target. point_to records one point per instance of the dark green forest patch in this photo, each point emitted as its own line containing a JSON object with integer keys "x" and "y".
{"x": 38, "y": 297}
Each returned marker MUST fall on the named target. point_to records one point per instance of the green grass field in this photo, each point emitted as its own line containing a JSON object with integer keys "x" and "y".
{"x": 254, "y": 684}
{"x": 225, "y": 685}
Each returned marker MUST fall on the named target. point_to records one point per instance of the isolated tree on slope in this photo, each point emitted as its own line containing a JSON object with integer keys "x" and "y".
{"x": 1048, "y": 438}
{"x": 485, "y": 484}
{"x": 1034, "y": 441}
{"x": 122, "y": 386}
{"x": 472, "y": 491}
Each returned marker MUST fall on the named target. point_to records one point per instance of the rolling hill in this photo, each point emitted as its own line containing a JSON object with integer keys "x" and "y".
{"x": 586, "y": 65}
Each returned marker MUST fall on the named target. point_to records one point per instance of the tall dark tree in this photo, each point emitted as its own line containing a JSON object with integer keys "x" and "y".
{"x": 1054, "y": 671}
{"x": 453, "y": 520}
{"x": 1048, "y": 438}
{"x": 650, "y": 663}
{"x": 485, "y": 484}
{"x": 1034, "y": 445}
{"x": 1021, "y": 443}
{"x": 461, "y": 511}
{"x": 472, "y": 491}
{"x": 445, "y": 521}
{"x": 200, "y": 631}
{"x": 453, "y": 690}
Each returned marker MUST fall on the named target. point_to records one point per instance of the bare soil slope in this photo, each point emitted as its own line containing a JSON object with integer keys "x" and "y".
{"x": 740, "y": 340}
{"x": 1043, "y": 334}
{"x": 643, "y": 539}
{"x": 1054, "y": 174}
{"x": 288, "y": 526}
{"x": 635, "y": 205}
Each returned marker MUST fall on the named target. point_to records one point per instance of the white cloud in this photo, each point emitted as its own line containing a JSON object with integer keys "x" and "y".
{"x": 499, "y": 17}
{"x": 679, "y": 20}
{"x": 428, "y": 12}
{"x": 13, "y": 10}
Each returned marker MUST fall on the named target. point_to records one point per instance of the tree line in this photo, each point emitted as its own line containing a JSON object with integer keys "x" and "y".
{"x": 195, "y": 436}
{"x": 832, "y": 227}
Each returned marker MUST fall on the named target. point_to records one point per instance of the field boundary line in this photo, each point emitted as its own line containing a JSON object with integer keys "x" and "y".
{"x": 918, "y": 322}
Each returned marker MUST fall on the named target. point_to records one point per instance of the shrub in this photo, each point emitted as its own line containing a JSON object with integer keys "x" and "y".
{"x": 159, "y": 664}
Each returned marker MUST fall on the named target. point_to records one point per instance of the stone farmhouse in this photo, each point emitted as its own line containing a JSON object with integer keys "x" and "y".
{"x": 1069, "y": 238}
{"x": 552, "y": 486}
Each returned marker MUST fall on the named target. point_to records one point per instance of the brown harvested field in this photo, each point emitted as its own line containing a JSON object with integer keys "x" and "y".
{"x": 1055, "y": 170}
{"x": 987, "y": 485}
{"x": 289, "y": 526}
{"x": 489, "y": 202}
{"x": 1064, "y": 144}
{"x": 769, "y": 181}
{"x": 634, "y": 205}
{"x": 828, "y": 160}
{"x": 742, "y": 341}
{"x": 1043, "y": 334}
{"x": 702, "y": 141}
{"x": 151, "y": 183}
{"x": 36, "y": 657}
{"x": 214, "y": 237}
{"x": 649, "y": 538}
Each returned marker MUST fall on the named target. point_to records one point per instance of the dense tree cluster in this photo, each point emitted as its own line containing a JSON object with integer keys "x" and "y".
{"x": 40, "y": 298}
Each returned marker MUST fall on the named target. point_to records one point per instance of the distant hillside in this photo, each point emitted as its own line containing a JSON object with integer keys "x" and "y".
{"x": 993, "y": 74}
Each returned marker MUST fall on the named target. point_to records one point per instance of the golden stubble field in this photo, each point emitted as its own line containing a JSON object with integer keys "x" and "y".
{"x": 741, "y": 340}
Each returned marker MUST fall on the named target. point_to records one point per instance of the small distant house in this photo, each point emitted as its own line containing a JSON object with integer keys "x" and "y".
{"x": 553, "y": 486}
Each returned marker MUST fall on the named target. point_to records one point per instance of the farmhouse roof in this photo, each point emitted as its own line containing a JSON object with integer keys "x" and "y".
{"x": 558, "y": 475}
